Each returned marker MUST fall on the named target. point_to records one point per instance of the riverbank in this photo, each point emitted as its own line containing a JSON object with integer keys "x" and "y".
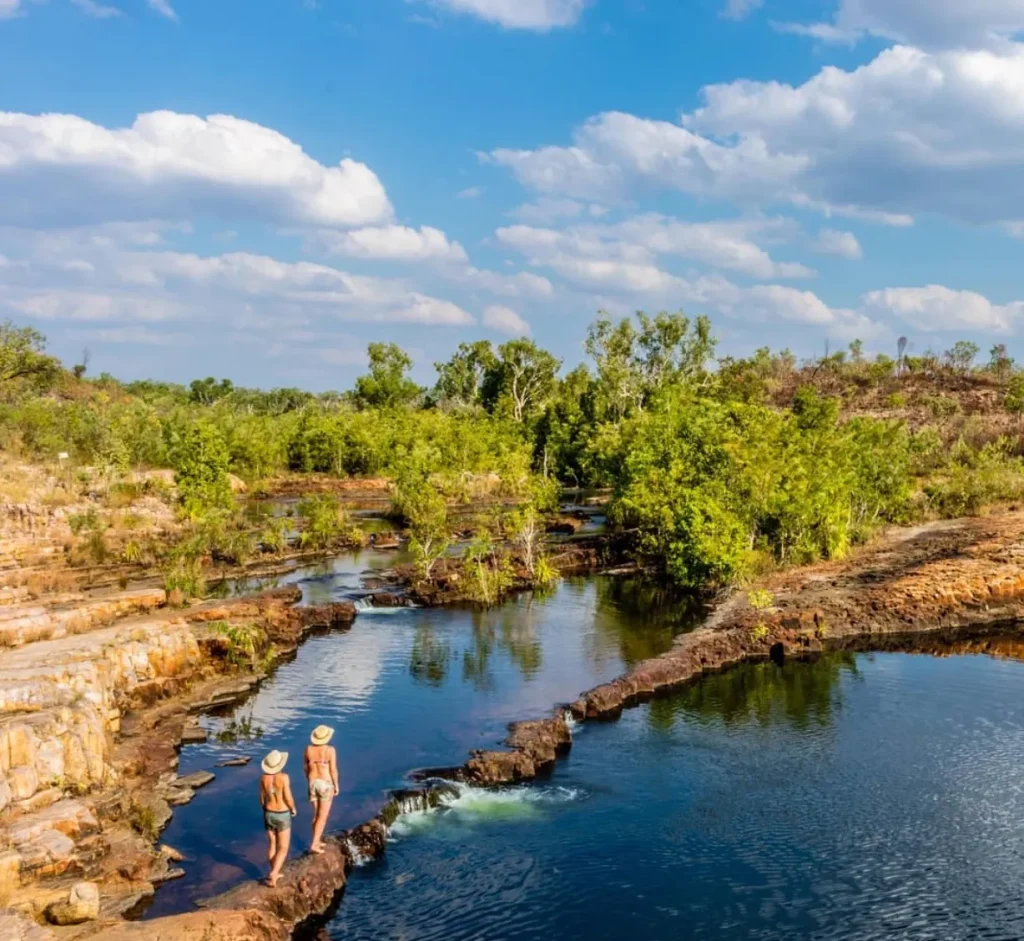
{"x": 907, "y": 584}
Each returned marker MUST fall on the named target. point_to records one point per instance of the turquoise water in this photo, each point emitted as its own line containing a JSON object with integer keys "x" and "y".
{"x": 858, "y": 797}
{"x": 405, "y": 688}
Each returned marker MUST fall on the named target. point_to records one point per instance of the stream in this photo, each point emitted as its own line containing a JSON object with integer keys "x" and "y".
{"x": 405, "y": 688}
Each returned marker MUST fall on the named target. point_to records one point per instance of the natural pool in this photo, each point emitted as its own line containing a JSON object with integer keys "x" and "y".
{"x": 855, "y": 797}
{"x": 405, "y": 688}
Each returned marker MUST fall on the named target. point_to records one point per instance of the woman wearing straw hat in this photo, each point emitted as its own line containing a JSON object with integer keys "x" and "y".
{"x": 322, "y": 772}
{"x": 278, "y": 810}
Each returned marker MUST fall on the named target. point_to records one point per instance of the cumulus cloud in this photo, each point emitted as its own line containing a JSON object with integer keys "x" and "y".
{"x": 394, "y": 243}
{"x": 58, "y": 169}
{"x": 9, "y": 8}
{"x": 637, "y": 241}
{"x": 841, "y": 244}
{"x": 940, "y": 308}
{"x": 928, "y": 23}
{"x": 540, "y": 15}
{"x": 911, "y": 132}
{"x": 79, "y": 276}
{"x": 505, "y": 320}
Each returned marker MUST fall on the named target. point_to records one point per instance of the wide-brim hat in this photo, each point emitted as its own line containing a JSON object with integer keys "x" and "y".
{"x": 322, "y": 734}
{"x": 274, "y": 762}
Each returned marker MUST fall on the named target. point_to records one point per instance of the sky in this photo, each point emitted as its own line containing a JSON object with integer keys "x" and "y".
{"x": 256, "y": 189}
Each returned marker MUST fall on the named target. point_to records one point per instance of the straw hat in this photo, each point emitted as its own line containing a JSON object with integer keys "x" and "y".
{"x": 322, "y": 734}
{"x": 274, "y": 762}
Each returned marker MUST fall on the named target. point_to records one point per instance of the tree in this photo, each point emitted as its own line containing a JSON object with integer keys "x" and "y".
{"x": 634, "y": 365}
{"x": 1014, "y": 401}
{"x": 424, "y": 509}
{"x": 522, "y": 379}
{"x": 460, "y": 381}
{"x": 1000, "y": 362}
{"x": 23, "y": 355}
{"x": 200, "y": 458}
{"x": 857, "y": 351}
{"x": 388, "y": 384}
{"x": 961, "y": 357}
{"x": 208, "y": 391}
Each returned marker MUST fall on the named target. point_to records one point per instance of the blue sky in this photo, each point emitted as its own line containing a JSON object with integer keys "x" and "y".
{"x": 257, "y": 189}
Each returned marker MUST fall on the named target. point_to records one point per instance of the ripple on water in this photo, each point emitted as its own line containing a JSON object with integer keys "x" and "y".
{"x": 854, "y": 798}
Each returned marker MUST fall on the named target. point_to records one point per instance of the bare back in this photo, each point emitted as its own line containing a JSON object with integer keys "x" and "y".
{"x": 274, "y": 789}
{"x": 321, "y": 763}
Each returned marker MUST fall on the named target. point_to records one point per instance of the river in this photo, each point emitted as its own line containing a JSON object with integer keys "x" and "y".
{"x": 405, "y": 689}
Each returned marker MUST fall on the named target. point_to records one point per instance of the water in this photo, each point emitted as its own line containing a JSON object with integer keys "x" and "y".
{"x": 858, "y": 797}
{"x": 405, "y": 688}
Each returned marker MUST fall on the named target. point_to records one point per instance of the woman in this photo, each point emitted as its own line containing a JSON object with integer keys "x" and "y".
{"x": 278, "y": 810}
{"x": 322, "y": 772}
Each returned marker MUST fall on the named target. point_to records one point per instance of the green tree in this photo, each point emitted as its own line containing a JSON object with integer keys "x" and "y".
{"x": 200, "y": 458}
{"x": 1000, "y": 362}
{"x": 522, "y": 380}
{"x": 460, "y": 381}
{"x": 208, "y": 391}
{"x": 388, "y": 384}
{"x": 23, "y": 356}
{"x": 961, "y": 357}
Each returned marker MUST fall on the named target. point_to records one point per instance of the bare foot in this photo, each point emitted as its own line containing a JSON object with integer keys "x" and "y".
{"x": 318, "y": 849}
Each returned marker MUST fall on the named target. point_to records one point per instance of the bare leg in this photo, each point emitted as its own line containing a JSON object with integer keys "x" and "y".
{"x": 272, "y": 850}
{"x": 323, "y": 811}
{"x": 284, "y": 839}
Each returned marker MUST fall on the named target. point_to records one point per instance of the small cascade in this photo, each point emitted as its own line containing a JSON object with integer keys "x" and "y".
{"x": 570, "y": 721}
{"x": 358, "y": 857}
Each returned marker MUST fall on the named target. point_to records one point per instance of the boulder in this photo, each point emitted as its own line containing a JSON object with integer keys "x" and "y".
{"x": 14, "y": 927}
{"x": 82, "y": 905}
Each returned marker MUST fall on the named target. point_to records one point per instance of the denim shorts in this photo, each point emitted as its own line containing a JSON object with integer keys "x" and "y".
{"x": 277, "y": 820}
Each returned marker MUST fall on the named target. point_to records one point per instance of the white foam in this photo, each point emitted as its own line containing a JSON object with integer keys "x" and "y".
{"x": 359, "y": 859}
{"x": 474, "y": 806}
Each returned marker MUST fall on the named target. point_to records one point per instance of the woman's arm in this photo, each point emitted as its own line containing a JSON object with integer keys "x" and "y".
{"x": 288, "y": 799}
{"x": 334, "y": 771}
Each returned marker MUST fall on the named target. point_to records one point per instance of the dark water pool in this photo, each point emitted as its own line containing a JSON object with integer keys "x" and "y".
{"x": 857, "y": 797}
{"x": 405, "y": 688}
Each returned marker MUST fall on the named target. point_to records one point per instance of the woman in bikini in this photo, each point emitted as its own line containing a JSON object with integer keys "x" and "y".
{"x": 322, "y": 772}
{"x": 278, "y": 810}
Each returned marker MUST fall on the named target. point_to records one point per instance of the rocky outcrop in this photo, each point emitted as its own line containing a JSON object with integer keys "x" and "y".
{"x": 81, "y": 905}
{"x": 198, "y": 926}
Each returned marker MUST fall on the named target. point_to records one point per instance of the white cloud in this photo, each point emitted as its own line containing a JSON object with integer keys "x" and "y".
{"x": 394, "y": 243}
{"x": 164, "y": 8}
{"x": 939, "y": 308}
{"x": 538, "y": 15}
{"x": 79, "y": 276}
{"x": 842, "y": 244}
{"x": 740, "y": 9}
{"x": 638, "y": 240}
{"x": 505, "y": 320}
{"x": 60, "y": 169}
{"x": 9, "y": 8}
{"x": 470, "y": 192}
{"x": 911, "y": 132}
{"x": 523, "y": 284}
{"x": 97, "y": 10}
{"x": 930, "y": 23}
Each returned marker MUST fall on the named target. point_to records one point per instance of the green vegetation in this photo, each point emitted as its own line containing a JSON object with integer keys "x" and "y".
{"x": 717, "y": 469}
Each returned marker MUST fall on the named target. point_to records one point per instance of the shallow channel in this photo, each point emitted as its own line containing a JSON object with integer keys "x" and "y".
{"x": 404, "y": 688}
{"x": 854, "y": 797}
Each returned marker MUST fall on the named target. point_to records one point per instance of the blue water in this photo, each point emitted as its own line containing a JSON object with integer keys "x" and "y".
{"x": 404, "y": 688}
{"x": 858, "y": 797}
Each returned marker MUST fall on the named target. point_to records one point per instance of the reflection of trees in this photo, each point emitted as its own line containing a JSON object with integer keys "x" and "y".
{"x": 802, "y": 693}
{"x": 641, "y": 615}
{"x": 511, "y": 629}
{"x": 430, "y": 657}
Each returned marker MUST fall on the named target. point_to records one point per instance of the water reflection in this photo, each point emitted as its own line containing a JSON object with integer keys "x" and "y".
{"x": 801, "y": 694}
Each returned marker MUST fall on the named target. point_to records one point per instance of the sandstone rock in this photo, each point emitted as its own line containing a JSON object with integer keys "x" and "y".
{"x": 171, "y": 853}
{"x": 14, "y": 927}
{"x": 50, "y": 853}
{"x": 234, "y": 762}
{"x": 196, "y": 780}
{"x": 199, "y": 926}
{"x": 23, "y": 782}
{"x": 82, "y": 905}
{"x": 194, "y": 734}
